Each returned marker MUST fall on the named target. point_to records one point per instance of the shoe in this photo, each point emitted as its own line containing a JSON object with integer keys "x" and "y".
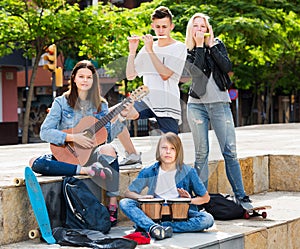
{"x": 131, "y": 159}
{"x": 113, "y": 212}
{"x": 97, "y": 169}
{"x": 158, "y": 232}
{"x": 246, "y": 202}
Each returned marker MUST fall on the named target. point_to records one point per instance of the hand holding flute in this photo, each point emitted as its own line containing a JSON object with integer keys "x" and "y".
{"x": 148, "y": 41}
{"x": 141, "y": 37}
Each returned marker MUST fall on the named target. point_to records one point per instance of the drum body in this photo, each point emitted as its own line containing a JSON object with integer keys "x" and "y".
{"x": 152, "y": 207}
{"x": 179, "y": 208}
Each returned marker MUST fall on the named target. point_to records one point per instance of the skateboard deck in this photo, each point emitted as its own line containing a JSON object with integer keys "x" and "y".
{"x": 38, "y": 204}
{"x": 255, "y": 212}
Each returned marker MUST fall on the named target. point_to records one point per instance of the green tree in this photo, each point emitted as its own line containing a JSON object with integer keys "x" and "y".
{"x": 34, "y": 25}
{"x": 261, "y": 39}
{"x": 261, "y": 36}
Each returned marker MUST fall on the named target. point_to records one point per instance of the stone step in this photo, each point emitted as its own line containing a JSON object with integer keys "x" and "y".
{"x": 261, "y": 174}
{"x": 269, "y": 158}
{"x": 279, "y": 230}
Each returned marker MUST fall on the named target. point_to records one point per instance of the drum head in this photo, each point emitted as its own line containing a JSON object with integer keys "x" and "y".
{"x": 146, "y": 200}
{"x": 179, "y": 200}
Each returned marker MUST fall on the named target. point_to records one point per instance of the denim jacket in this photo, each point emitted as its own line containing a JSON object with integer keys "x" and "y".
{"x": 186, "y": 178}
{"x": 62, "y": 117}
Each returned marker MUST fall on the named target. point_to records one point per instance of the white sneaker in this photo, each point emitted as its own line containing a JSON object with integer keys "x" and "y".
{"x": 131, "y": 161}
{"x": 246, "y": 203}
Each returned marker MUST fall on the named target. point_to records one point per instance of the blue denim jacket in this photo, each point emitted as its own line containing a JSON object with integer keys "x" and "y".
{"x": 62, "y": 117}
{"x": 186, "y": 178}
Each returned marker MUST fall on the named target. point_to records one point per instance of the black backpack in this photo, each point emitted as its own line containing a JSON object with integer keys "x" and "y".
{"x": 83, "y": 209}
{"x": 224, "y": 207}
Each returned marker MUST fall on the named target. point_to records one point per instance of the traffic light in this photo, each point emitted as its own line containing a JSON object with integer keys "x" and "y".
{"x": 59, "y": 77}
{"x": 51, "y": 58}
{"x": 121, "y": 87}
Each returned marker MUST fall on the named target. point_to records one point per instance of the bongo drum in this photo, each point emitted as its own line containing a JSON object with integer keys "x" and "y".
{"x": 152, "y": 207}
{"x": 179, "y": 208}
{"x": 165, "y": 209}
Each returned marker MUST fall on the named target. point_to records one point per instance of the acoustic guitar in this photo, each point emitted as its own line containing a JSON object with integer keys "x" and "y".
{"x": 93, "y": 128}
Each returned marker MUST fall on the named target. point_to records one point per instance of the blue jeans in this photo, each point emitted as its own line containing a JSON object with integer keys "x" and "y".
{"x": 165, "y": 124}
{"x": 47, "y": 165}
{"x": 197, "y": 221}
{"x": 220, "y": 116}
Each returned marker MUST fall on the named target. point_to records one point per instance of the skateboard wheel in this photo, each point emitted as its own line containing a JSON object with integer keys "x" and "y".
{"x": 264, "y": 214}
{"x": 19, "y": 182}
{"x": 33, "y": 234}
{"x": 246, "y": 215}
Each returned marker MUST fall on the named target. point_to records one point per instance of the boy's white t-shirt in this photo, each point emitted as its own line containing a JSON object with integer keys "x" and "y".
{"x": 164, "y": 96}
{"x": 166, "y": 185}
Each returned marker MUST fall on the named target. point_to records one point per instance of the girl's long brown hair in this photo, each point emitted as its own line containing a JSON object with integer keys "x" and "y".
{"x": 94, "y": 94}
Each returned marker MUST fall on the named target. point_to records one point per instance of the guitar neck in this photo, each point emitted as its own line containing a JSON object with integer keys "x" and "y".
{"x": 104, "y": 120}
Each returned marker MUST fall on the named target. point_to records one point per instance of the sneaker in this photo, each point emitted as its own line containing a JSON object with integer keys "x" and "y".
{"x": 113, "y": 212}
{"x": 97, "y": 169}
{"x": 158, "y": 232}
{"x": 246, "y": 202}
{"x": 131, "y": 159}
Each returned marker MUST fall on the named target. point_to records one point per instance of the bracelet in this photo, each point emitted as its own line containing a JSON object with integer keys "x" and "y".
{"x": 121, "y": 118}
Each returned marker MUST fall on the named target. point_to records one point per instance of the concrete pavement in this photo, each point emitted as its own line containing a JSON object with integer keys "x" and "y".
{"x": 275, "y": 139}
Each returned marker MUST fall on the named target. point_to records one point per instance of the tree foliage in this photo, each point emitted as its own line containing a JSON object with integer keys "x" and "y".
{"x": 34, "y": 25}
{"x": 261, "y": 36}
{"x": 262, "y": 39}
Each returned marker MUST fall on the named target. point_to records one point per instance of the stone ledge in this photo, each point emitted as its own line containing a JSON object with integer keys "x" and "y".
{"x": 256, "y": 174}
{"x": 279, "y": 230}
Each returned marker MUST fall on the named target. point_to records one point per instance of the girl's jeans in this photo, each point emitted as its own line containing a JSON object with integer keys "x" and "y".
{"x": 220, "y": 117}
{"x": 197, "y": 221}
{"x": 47, "y": 165}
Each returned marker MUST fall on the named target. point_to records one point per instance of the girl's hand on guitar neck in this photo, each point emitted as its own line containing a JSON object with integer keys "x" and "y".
{"x": 125, "y": 112}
{"x": 128, "y": 107}
{"x": 80, "y": 139}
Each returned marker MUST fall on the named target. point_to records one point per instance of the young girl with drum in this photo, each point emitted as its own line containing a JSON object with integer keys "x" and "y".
{"x": 168, "y": 178}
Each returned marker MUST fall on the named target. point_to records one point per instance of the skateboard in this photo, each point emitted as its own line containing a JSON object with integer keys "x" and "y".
{"x": 38, "y": 204}
{"x": 255, "y": 212}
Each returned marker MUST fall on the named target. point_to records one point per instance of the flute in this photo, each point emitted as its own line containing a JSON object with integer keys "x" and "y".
{"x": 154, "y": 37}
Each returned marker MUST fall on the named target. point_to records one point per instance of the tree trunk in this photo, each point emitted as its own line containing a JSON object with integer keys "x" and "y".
{"x": 269, "y": 102}
{"x": 273, "y": 82}
{"x": 29, "y": 99}
{"x": 259, "y": 108}
{"x": 252, "y": 118}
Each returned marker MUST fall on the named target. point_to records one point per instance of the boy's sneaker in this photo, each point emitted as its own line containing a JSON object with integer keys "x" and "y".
{"x": 113, "y": 212}
{"x": 158, "y": 232}
{"x": 131, "y": 161}
{"x": 246, "y": 202}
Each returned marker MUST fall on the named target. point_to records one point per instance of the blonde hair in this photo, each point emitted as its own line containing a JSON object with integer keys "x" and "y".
{"x": 173, "y": 139}
{"x": 189, "y": 40}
